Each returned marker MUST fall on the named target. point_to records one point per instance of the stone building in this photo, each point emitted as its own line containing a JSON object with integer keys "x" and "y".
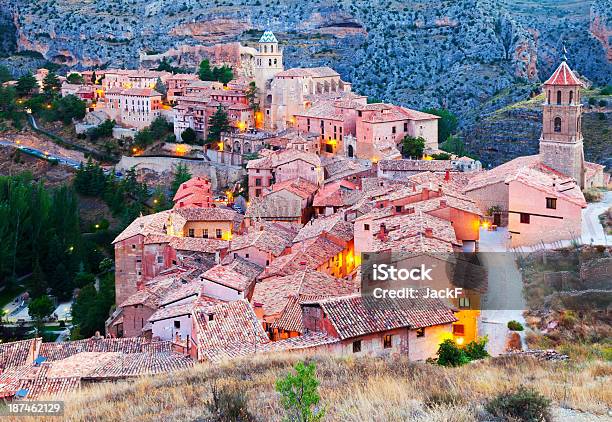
{"x": 132, "y": 107}
{"x": 268, "y": 63}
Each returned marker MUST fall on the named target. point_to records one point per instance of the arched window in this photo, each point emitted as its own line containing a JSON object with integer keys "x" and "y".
{"x": 559, "y": 97}
{"x": 271, "y": 49}
{"x": 548, "y": 96}
{"x": 571, "y": 100}
{"x": 265, "y": 48}
{"x": 557, "y": 124}
{"x": 275, "y": 61}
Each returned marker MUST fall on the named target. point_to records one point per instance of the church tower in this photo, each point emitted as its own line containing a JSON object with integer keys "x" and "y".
{"x": 561, "y": 141}
{"x": 268, "y": 62}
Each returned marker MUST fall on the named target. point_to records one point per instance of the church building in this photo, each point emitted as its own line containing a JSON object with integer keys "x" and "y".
{"x": 539, "y": 197}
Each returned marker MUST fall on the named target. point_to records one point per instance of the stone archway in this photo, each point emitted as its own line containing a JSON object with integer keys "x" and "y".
{"x": 350, "y": 151}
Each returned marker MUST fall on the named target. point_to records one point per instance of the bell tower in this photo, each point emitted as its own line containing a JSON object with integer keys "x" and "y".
{"x": 561, "y": 146}
{"x": 268, "y": 62}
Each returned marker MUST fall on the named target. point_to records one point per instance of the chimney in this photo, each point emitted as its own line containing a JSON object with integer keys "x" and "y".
{"x": 428, "y": 232}
{"x": 447, "y": 176}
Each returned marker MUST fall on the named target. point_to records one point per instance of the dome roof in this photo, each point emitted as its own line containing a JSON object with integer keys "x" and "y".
{"x": 268, "y": 36}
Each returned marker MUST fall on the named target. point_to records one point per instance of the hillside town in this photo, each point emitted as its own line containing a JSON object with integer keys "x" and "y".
{"x": 324, "y": 182}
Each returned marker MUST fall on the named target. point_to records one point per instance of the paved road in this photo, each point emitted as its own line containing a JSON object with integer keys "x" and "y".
{"x": 504, "y": 299}
{"x": 592, "y": 230}
{"x": 42, "y": 154}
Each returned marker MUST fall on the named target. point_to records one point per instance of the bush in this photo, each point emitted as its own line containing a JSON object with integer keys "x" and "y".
{"x": 477, "y": 349}
{"x": 523, "y": 404}
{"x": 229, "y": 404}
{"x": 515, "y": 326}
{"x": 299, "y": 394}
{"x": 449, "y": 354}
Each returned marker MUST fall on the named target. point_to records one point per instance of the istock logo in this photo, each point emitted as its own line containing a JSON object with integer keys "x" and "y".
{"x": 385, "y": 272}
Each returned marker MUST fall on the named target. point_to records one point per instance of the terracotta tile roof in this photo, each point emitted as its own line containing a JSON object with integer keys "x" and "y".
{"x": 306, "y": 341}
{"x": 500, "y": 173}
{"x": 172, "y": 311}
{"x": 148, "y": 224}
{"x": 141, "y": 92}
{"x": 563, "y": 76}
{"x": 340, "y": 168}
{"x": 264, "y": 240}
{"x": 139, "y": 364}
{"x": 271, "y": 208}
{"x": 337, "y": 194}
{"x": 198, "y": 244}
{"x": 390, "y": 113}
{"x": 207, "y": 214}
{"x": 564, "y": 188}
{"x": 191, "y": 289}
{"x": 313, "y": 72}
{"x": 415, "y": 165}
{"x": 17, "y": 353}
{"x": 323, "y": 109}
{"x": 356, "y": 315}
{"x": 456, "y": 182}
{"x": 57, "y": 351}
{"x": 239, "y": 275}
{"x": 273, "y": 293}
{"x": 228, "y": 330}
{"x": 310, "y": 254}
{"x": 300, "y": 187}
{"x": 333, "y": 225}
{"x": 278, "y": 158}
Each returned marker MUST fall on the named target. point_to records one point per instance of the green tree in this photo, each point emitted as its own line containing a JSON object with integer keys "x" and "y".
{"x": 94, "y": 78}
{"x": 454, "y": 145}
{"x": 205, "y": 72}
{"x": 92, "y": 307}
{"x": 189, "y": 136}
{"x": 252, "y": 93}
{"x": 75, "y": 78}
{"x": 181, "y": 175}
{"x": 449, "y": 354}
{"x": 160, "y": 128}
{"x": 5, "y": 74}
{"x": 218, "y": 123}
{"x": 36, "y": 284}
{"x": 40, "y": 307}
{"x": 223, "y": 74}
{"x": 143, "y": 138}
{"x": 447, "y": 124}
{"x": 160, "y": 202}
{"x": 161, "y": 88}
{"x": 103, "y": 130}
{"x": 8, "y": 94}
{"x": 413, "y": 147}
{"x": 68, "y": 108}
{"x": 51, "y": 84}
{"x": 26, "y": 84}
{"x": 299, "y": 394}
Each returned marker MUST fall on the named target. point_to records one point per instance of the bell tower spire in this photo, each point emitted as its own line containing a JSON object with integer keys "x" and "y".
{"x": 561, "y": 142}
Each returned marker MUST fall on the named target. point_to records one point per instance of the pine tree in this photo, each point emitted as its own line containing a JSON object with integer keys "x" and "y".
{"x": 36, "y": 284}
{"x": 181, "y": 175}
{"x": 26, "y": 84}
{"x": 219, "y": 123}
{"x": 51, "y": 84}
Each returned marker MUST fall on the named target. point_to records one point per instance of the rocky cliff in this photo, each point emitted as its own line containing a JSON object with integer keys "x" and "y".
{"x": 420, "y": 53}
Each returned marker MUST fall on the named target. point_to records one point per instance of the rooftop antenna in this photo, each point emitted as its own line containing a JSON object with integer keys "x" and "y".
{"x": 564, "y": 55}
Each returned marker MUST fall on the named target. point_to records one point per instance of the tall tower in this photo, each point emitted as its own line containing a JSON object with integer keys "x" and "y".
{"x": 268, "y": 62}
{"x": 561, "y": 141}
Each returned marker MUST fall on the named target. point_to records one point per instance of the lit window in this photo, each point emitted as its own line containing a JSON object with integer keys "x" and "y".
{"x": 420, "y": 332}
{"x": 387, "y": 343}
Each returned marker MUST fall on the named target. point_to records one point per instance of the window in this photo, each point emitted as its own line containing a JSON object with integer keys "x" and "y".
{"x": 387, "y": 343}
{"x": 160, "y": 259}
{"x": 551, "y": 203}
{"x": 133, "y": 246}
{"x": 366, "y": 227}
{"x": 329, "y": 148}
{"x": 218, "y": 233}
{"x": 357, "y": 346}
{"x": 464, "y": 302}
{"x": 205, "y": 234}
{"x": 405, "y": 126}
{"x": 393, "y": 130}
{"x": 257, "y": 193}
{"x": 211, "y": 317}
{"x": 257, "y": 182}
{"x": 246, "y": 255}
{"x": 420, "y": 332}
{"x": 557, "y": 124}
{"x": 191, "y": 232}
{"x": 524, "y": 218}
{"x": 558, "y": 97}
{"x": 571, "y": 100}
{"x": 458, "y": 330}
{"x": 177, "y": 324}
{"x": 398, "y": 208}
{"x": 548, "y": 97}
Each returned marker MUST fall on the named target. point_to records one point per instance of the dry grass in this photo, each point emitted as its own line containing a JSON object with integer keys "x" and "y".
{"x": 351, "y": 389}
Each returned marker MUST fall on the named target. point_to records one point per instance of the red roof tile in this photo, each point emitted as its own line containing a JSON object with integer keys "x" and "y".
{"x": 563, "y": 76}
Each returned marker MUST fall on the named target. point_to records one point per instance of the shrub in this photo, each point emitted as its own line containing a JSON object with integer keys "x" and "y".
{"x": 477, "y": 349}
{"x": 523, "y": 404}
{"x": 515, "y": 325}
{"x": 449, "y": 354}
{"x": 228, "y": 404}
{"x": 300, "y": 395}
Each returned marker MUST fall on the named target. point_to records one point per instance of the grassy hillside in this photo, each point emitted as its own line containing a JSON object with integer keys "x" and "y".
{"x": 351, "y": 389}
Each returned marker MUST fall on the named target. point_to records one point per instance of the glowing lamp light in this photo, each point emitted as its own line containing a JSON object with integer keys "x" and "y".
{"x": 220, "y": 145}
{"x": 134, "y": 150}
{"x": 242, "y": 126}
{"x": 97, "y": 226}
{"x": 48, "y": 106}
{"x": 428, "y": 158}
{"x": 459, "y": 340}
{"x": 485, "y": 224}
{"x": 155, "y": 201}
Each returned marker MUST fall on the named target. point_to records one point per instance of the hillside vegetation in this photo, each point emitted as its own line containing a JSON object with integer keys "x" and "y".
{"x": 362, "y": 389}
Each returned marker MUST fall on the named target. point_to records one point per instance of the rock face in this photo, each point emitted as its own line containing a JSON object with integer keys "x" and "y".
{"x": 419, "y": 53}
